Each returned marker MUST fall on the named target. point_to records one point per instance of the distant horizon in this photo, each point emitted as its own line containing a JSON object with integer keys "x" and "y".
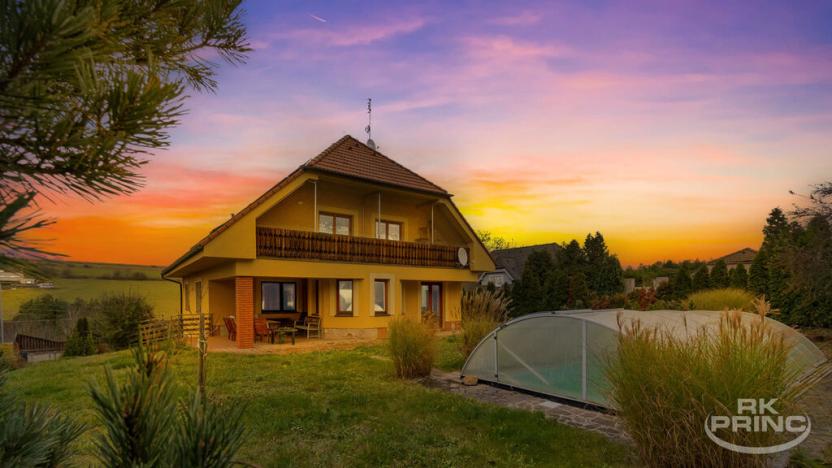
{"x": 671, "y": 129}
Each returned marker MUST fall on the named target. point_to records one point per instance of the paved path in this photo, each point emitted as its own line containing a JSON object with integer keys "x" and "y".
{"x": 574, "y": 416}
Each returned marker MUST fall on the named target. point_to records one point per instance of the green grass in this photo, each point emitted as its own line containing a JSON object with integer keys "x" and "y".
{"x": 721, "y": 299}
{"x": 341, "y": 408}
{"x": 162, "y": 295}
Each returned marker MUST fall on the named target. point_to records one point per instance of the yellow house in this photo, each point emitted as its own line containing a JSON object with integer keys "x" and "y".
{"x": 350, "y": 236}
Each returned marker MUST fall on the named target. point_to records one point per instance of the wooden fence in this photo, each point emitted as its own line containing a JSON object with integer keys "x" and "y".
{"x": 287, "y": 243}
{"x": 187, "y": 326}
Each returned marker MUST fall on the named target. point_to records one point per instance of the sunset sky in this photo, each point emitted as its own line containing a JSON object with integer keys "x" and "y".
{"x": 671, "y": 127}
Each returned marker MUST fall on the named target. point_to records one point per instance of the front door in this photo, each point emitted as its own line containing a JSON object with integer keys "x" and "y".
{"x": 431, "y": 302}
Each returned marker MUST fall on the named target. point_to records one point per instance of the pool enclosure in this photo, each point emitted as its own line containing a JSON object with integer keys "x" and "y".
{"x": 563, "y": 354}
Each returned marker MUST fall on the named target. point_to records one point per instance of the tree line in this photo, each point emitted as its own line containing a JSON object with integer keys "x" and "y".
{"x": 577, "y": 275}
{"x": 793, "y": 268}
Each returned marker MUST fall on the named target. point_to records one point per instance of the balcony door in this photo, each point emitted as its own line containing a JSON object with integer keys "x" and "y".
{"x": 431, "y": 302}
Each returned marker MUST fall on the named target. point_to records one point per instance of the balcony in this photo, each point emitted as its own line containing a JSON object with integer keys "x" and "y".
{"x": 307, "y": 245}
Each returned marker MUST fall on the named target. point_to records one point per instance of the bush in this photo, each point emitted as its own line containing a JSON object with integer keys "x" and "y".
{"x": 81, "y": 342}
{"x": 146, "y": 424}
{"x": 118, "y": 317}
{"x": 721, "y": 299}
{"x": 664, "y": 405}
{"x": 481, "y": 310}
{"x": 412, "y": 347}
{"x": 45, "y": 307}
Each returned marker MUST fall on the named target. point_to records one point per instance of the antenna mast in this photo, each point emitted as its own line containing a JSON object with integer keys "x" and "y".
{"x": 369, "y": 128}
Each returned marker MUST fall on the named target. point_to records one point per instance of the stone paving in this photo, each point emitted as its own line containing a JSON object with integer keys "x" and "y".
{"x": 591, "y": 420}
{"x": 817, "y": 403}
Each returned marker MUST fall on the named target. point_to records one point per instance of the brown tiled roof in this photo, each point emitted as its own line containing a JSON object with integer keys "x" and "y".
{"x": 348, "y": 157}
{"x": 352, "y": 158}
{"x": 745, "y": 255}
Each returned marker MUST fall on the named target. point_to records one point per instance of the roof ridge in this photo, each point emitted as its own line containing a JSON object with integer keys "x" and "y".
{"x": 317, "y": 159}
{"x": 327, "y": 150}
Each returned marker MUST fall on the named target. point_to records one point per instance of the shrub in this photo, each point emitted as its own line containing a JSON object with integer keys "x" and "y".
{"x": 146, "y": 425}
{"x": 81, "y": 342}
{"x": 481, "y": 310}
{"x": 664, "y": 405}
{"x": 118, "y": 317}
{"x": 33, "y": 435}
{"x": 412, "y": 347}
{"x": 721, "y": 299}
{"x": 45, "y": 307}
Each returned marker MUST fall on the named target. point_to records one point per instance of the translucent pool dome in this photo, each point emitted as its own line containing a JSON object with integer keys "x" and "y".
{"x": 562, "y": 354}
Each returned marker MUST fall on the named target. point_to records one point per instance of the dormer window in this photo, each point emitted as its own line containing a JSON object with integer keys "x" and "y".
{"x": 389, "y": 230}
{"x": 335, "y": 224}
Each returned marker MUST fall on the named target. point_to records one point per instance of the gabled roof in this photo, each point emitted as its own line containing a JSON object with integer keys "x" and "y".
{"x": 745, "y": 255}
{"x": 346, "y": 157}
{"x": 514, "y": 260}
{"x": 352, "y": 158}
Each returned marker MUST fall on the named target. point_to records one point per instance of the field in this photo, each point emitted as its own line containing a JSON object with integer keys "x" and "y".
{"x": 163, "y": 295}
{"x": 95, "y": 270}
{"x": 340, "y": 408}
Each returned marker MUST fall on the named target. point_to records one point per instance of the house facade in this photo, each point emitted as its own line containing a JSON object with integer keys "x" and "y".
{"x": 350, "y": 236}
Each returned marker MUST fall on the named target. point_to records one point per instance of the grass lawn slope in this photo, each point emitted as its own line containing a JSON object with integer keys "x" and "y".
{"x": 341, "y": 408}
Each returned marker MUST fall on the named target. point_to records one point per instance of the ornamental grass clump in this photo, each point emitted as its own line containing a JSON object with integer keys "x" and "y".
{"x": 412, "y": 347}
{"x": 721, "y": 299}
{"x": 481, "y": 311}
{"x": 665, "y": 385}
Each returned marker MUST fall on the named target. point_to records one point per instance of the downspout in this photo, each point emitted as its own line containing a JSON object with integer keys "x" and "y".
{"x": 315, "y": 205}
{"x": 431, "y": 221}
{"x": 180, "y": 297}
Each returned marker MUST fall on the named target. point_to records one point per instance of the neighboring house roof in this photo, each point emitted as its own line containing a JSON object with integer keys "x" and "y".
{"x": 514, "y": 260}
{"x": 346, "y": 157}
{"x": 745, "y": 255}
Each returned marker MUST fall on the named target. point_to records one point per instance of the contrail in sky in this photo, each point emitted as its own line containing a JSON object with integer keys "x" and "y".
{"x": 317, "y": 18}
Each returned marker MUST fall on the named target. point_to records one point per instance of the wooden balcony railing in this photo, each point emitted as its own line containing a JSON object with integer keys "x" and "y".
{"x": 286, "y": 243}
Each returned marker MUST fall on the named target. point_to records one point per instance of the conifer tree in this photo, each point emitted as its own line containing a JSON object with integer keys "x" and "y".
{"x": 719, "y": 275}
{"x": 89, "y": 88}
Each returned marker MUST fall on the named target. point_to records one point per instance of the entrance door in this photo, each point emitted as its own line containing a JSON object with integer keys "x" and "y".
{"x": 431, "y": 301}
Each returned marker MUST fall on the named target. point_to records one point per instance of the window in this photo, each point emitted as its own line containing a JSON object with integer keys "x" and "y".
{"x": 380, "y": 297}
{"x": 278, "y": 297}
{"x": 388, "y": 230}
{"x": 334, "y": 224}
{"x": 344, "y": 297}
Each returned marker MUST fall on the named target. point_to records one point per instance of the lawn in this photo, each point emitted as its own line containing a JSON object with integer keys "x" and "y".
{"x": 342, "y": 408}
{"x": 162, "y": 295}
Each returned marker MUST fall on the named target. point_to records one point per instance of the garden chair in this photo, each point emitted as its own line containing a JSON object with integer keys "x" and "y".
{"x": 262, "y": 329}
{"x": 231, "y": 327}
{"x": 310, "y": 323}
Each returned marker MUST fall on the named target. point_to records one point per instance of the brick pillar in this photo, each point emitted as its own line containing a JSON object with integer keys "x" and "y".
{"x": 244, "y": 310}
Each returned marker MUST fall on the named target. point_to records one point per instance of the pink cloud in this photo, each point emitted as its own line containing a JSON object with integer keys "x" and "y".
{"x": 352, "y": 35}
{"x": 524, "y": 18}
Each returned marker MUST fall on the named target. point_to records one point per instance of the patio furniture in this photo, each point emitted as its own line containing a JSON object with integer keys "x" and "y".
{"x": 231, "y": 327}
{"x": 310, "y": 323}
{"x": 262, "y": 329}
{"x": 283, "y": 331}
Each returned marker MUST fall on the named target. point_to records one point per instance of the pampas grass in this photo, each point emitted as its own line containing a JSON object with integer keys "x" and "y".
{"x": 481, "y": 310}
{"x": 412, "y": 347}
{"x": 665, "y": 386}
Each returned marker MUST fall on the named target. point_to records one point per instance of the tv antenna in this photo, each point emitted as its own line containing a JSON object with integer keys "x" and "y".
{"x": 369, "y": 128}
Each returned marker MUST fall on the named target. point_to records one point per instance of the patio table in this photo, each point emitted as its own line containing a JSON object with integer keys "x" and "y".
{"x": 283, "y": 331}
